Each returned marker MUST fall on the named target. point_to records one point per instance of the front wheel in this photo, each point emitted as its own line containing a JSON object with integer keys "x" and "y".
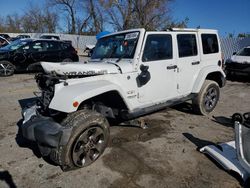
{"x": 87, "y": 142}
{"x": 6, "y": 68}
{"x": 207, "y": 98}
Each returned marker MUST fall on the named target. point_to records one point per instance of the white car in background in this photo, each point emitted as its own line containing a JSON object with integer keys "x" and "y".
{"x": 239, "y": 63}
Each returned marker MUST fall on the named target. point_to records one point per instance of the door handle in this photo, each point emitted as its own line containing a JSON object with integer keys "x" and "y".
{"x": 195, "y": 63}
{"x": 171, "y": 67}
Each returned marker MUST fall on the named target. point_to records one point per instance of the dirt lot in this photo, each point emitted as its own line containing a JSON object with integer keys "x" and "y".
{"x": 164, "y": 155}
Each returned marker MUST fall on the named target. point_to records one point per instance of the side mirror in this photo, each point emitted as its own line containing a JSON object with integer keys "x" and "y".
{"x": 144, "y": 68}
{"x": 144, "y": 76}
{"x": 234, "y": 53}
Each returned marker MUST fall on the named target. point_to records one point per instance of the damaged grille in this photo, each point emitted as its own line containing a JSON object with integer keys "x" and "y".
{"x": 46, "y": 84}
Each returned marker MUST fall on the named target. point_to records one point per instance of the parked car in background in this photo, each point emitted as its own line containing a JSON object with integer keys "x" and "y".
{"x": 6, "y": 36}
{"x": 55, "y": 37}
{"x": 22, "y": 36}
{"x": 3, "y": 42}
{"x": 89, "y": 50}
{"x": 239, "y": 63}
{"x": 25, "y": 54}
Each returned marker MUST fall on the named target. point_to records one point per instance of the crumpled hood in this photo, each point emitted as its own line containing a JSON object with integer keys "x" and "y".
{"x": 240, "y": 59}
{"x": 82, "y": 68}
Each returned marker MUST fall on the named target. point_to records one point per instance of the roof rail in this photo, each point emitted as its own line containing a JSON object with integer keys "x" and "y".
{"x": 182, "y": 29}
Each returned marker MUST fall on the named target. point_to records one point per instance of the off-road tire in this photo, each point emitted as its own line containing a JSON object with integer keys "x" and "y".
{"x": 81, "y": 122}
{"x": 6, "y": 69}
{"x": 208, "y": 97}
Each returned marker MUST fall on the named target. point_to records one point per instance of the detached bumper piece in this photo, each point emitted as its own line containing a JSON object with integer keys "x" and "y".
{"x": 225, "y": 154}
{"x": 46, "y": 132}
{"x": 235, "y": 155}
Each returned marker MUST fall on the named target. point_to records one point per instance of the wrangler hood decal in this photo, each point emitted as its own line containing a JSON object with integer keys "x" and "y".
{"x": 80, "y": 68}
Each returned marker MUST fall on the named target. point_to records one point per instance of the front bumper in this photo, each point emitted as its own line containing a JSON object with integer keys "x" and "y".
{"x": 43, "y": 130}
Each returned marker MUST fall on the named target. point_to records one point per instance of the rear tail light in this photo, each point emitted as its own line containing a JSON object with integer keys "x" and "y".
{"x": 221, "y": 62}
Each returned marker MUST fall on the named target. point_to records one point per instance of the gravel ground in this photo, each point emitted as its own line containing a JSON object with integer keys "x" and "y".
{"x": 164, "y": 155}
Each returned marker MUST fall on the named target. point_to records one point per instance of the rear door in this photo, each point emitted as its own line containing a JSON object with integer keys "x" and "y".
{"x": 53, "y": 51}
{"x": 211, "y": 53}
{"x": 188, "y": 61}
{"x": 158, "y": 56}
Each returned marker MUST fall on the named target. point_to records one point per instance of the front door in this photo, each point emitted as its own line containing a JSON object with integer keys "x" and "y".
{"x": 162, "y": 69}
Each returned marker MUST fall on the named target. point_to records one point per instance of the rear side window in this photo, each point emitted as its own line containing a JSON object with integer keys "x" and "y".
{"x": 158, "y": 47}
{"x": 187, "y": 45}
{"x": 38, "y": 47}
{"x": 209, "y": 43}
{"x": 65, "y": 46}
{"x": 53, "y": 46}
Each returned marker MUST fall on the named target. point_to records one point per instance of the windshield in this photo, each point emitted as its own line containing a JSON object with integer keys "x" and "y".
{"x": 15, "y": 45}
{"x": 116, "y": 46}
{"x": 244, "y": 52}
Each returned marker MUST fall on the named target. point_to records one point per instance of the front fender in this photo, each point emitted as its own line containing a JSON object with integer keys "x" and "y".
{"x": 65, "y": 96}
{"x": 203, "y": 75}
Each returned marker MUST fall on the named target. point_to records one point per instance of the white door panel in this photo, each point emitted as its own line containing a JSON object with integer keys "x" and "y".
{"x": 188, "y": 61}
{"x": 162, "y": 85}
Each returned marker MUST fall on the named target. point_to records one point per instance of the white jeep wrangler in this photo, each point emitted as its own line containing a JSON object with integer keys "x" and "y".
{"x": 131, "y": 73}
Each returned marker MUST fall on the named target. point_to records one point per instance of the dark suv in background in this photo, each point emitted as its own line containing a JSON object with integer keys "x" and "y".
{"x": 25, "y": 54}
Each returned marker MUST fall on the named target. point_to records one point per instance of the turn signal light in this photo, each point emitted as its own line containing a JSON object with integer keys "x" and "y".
{"x": 75, "y": 104}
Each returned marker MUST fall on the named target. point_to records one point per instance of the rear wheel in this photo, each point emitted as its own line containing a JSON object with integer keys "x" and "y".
{"x": 87, "y": 142}
{"x": 207, "y": 98}
{"x": 6, "y": 68}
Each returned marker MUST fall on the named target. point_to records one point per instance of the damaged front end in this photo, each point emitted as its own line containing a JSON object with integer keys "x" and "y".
{"x": 41, "y": 124}
{"x": 45, "y": 131}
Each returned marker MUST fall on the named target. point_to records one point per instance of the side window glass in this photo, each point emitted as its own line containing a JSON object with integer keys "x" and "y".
{"x": 39, "y": 46}
{"x": 209, "y": 43}
{"x": 65, "y": 46}
{"x": 53, "y": 46}
{"x": 25, "y": 48}
{"x": 158, "y": 47}
{"x": 187, "y": 45}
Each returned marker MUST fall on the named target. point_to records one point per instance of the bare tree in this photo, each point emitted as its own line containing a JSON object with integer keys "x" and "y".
{"x": 152, "y": 15}
{"x": 119, "y": 13}
{"x": 68, "y": 6}
{"x": 12, "y": 23}
{"x": 126, "y": 14}
{"x": 92, "y": 22}
{"x": 50, "y": 20}
{"x": 37, "y": 19}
